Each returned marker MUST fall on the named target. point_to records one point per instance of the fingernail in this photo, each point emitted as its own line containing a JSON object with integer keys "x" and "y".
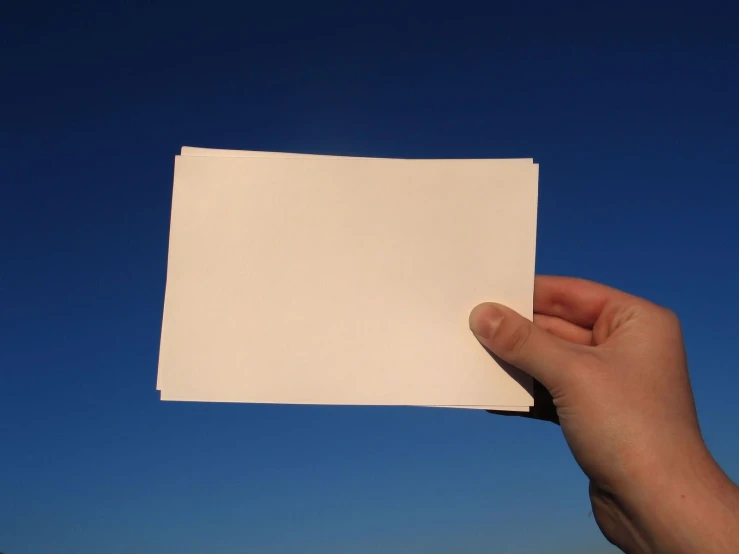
{"x": 485, "y": 319}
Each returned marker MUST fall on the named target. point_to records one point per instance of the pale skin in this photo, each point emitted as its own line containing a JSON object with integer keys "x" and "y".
{"x": 615, "y": 367}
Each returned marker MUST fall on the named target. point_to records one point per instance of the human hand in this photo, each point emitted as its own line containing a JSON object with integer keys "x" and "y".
{"x": 616, "y": 370}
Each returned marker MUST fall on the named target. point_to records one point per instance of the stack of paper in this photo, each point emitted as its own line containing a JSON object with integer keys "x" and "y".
{"x": 302, "y": 279}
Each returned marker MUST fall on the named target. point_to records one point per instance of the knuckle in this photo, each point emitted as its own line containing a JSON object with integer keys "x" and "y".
{"x": 667, "y": 317}
{"x": 655, "y": 314}
{"x": 670, "y": 316}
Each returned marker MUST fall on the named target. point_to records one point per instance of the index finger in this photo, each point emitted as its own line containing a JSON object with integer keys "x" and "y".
{"x": 576, "y": 300}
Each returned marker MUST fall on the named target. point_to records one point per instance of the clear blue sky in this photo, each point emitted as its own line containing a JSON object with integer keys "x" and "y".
{"x": 633, "y": 117}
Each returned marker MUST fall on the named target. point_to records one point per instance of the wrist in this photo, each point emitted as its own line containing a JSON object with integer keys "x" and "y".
{"x": 688, "y": 506}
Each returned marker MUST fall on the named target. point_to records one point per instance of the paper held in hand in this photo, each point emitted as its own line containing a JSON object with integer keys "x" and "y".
{"x": 300, "y": 279}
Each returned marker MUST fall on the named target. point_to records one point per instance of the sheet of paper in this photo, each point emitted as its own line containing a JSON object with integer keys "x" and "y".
{"x": 167, "y": 395}
{"x": 230, "y": 281}
{"x": 222, "y": 153}
{"x": 194, "y": 151}
{"x": 208, "y": 152}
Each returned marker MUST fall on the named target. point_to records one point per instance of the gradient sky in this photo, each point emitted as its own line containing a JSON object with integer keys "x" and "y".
{"x": 633, "y": 117}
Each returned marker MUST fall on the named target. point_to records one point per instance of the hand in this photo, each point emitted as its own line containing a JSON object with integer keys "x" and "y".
{"x": 616, "y": 370}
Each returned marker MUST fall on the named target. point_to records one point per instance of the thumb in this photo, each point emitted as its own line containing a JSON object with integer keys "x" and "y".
{"x": 519, "y": 342}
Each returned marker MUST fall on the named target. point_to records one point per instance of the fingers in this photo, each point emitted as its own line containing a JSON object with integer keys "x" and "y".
{"x": 564, "y": 329}
{"x": 519, "y": 342}
{"x": 575, "y": 300}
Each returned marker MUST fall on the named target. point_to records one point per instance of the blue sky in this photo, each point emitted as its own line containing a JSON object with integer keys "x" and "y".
{"x": 632, "y": 116}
